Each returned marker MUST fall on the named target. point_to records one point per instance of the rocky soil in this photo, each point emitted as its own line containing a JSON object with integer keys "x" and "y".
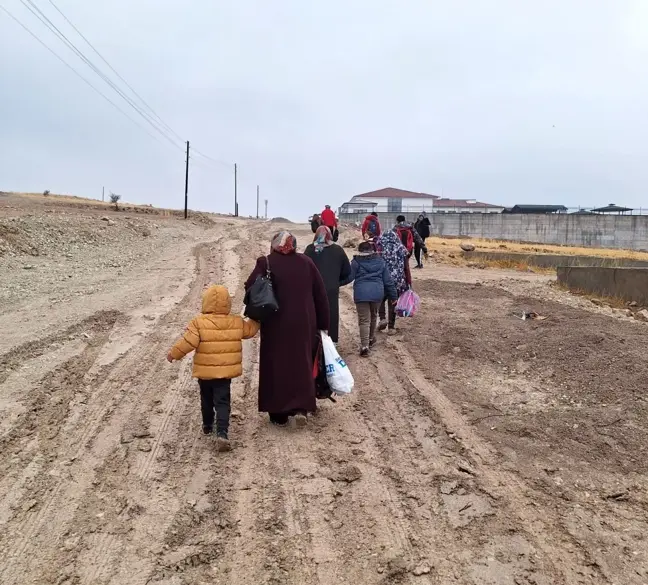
{"x": 478, "y": 448}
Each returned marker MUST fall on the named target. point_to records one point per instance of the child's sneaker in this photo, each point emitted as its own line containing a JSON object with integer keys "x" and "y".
{"x": 382, "y": 325}
{"x": 364, "y": 352}
{"x": 372, "y": 342}
{"x": 223, "y": 445}
{"x": 207, "y": 430}
{"x": 300, "y": 421}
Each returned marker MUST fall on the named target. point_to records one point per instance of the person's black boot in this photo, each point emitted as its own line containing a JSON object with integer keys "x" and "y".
{"x": 280, "y": 420}
{"x": 222, "y": 443}
{"x": 208, "y": 429}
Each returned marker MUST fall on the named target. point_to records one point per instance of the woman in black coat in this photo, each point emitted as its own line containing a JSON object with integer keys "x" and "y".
{"x": 290, "y": 338}
{"x": 335, "y": 268}
{"x": 422, "y": 226}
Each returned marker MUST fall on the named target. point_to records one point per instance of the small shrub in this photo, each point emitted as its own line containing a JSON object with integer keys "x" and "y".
{"x": 114, "y": 199}
{"x": 46, "y": 192}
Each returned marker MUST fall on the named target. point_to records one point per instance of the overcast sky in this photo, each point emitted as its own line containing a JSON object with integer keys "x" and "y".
{"x": 505, "y": 101}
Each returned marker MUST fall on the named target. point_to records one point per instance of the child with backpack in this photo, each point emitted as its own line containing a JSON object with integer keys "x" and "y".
{"x": 216, "y": 336}
{"x": 372, "y": 283}
{"x": 371, "y": 227}
{"x": 408, "y": 235}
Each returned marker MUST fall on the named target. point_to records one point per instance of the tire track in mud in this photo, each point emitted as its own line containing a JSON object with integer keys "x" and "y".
{"x": 249, "y": 510}
{"x": 285, "y": 504}
{"x": 95, "y": 420}
{"x": 19, "y": 356}
{"x": 150, "y": 434}
{"x": 499, "y": 489}
{"x": 205, "y": 539}
{"x": 47, "y": 413}
{"x": 175, "y": 467}
{"x": 303, "y": 517}
{"x": 571, "y": 563}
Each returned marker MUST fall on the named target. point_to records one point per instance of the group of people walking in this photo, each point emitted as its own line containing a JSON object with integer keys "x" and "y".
{"x": 307, "y": 289}
{"x": 327, "y": 219}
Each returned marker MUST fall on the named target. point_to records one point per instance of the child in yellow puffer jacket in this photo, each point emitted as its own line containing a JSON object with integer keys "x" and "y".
{"x": 216, "y": 336}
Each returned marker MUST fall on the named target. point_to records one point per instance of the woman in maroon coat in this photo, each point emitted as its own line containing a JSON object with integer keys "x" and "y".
{"x": 290, "y": 338}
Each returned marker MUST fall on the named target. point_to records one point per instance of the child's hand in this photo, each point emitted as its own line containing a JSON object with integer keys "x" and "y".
{"x": 169, "y": 358}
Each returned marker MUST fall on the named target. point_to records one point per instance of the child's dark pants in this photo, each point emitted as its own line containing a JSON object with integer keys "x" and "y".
{"x": 215, "y": 395}
{"x": 387, "y": 309}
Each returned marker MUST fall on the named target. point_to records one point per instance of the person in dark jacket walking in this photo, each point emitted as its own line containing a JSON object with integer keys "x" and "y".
{"x": 316, "y": 221}
{"x": 422, "y": 227}
{"x": 403, "y": 228}
{"x": 372, "y": 284}
{"x": 334, "y": 266}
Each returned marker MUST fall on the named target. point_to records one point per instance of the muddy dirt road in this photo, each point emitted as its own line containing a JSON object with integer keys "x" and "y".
{"x": 477, "y": 448}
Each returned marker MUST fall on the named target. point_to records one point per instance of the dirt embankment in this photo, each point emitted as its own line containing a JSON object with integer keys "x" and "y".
{"x": 477, "y": 448}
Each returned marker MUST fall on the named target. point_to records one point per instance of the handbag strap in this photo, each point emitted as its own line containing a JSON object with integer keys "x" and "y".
{"x": 268, "y": 271}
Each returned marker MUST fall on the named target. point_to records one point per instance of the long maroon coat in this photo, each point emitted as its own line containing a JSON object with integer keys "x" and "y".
{"x": 289, "y": 339}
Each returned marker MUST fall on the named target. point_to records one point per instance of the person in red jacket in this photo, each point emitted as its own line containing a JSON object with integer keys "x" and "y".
{"x": 330, "y": 221}
{"x": 328, "y": 218}
{"x": 371, "y": 227}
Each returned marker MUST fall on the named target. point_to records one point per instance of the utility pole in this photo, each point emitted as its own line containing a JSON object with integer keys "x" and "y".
{"x": 187, "y": 182}
{"x": 103, "y": 194}
{"x": 236, "y": 188}
{"x": 266, "y": 209}
{"x": 257, "y": 201}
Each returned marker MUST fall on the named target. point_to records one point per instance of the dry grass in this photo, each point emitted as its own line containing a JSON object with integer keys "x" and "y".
{"x": 444, "y": 245}
{"x": 517, "y": 265}
{"x": 599, "y": 300}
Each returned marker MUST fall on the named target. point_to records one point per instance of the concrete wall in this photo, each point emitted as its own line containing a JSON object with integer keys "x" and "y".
{"x": 596, "y": 231}
{"x": 630, "y": 284}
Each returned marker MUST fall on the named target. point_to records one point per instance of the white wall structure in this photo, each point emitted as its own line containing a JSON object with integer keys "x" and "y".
{"x": 396, "y": 201}
{"x": 389, "y": 200}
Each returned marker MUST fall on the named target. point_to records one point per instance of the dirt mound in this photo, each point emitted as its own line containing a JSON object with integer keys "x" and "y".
{"x": 64, "y": 234}
{"x": 280, "y": 220}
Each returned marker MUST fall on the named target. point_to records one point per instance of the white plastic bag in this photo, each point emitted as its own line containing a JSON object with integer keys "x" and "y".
{"x": 338, "y": 374}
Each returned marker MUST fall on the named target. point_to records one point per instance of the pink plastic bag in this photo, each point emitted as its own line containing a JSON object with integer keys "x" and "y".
{"x": 408, "y": 304}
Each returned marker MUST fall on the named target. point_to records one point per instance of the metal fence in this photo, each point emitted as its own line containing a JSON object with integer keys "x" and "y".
{"x": 412, "y": 212}
{"x": 589, "y": 211}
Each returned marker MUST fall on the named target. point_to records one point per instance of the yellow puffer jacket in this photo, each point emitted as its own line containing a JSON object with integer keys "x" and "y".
{"x": 216, "y": 336}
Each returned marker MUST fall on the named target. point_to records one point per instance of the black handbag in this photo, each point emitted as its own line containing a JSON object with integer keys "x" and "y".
{"x": 260, "y": 299}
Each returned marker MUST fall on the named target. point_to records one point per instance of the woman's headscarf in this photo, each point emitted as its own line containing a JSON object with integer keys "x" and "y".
{"x": 323, "y": 238}
{"x": 284, "y": 243}
{"x": 395, "y": 256}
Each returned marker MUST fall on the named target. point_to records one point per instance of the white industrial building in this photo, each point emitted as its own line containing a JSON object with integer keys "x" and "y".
{"x": 390, "y": 200}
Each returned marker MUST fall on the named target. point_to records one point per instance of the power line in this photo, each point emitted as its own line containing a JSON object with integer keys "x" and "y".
{"x": 36, "y": 11}
{"x": 104, "y": 96}
{"x": 152, "y": 118}
{"x": 217, "y": 161}
{"x": 142, "y": 100}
